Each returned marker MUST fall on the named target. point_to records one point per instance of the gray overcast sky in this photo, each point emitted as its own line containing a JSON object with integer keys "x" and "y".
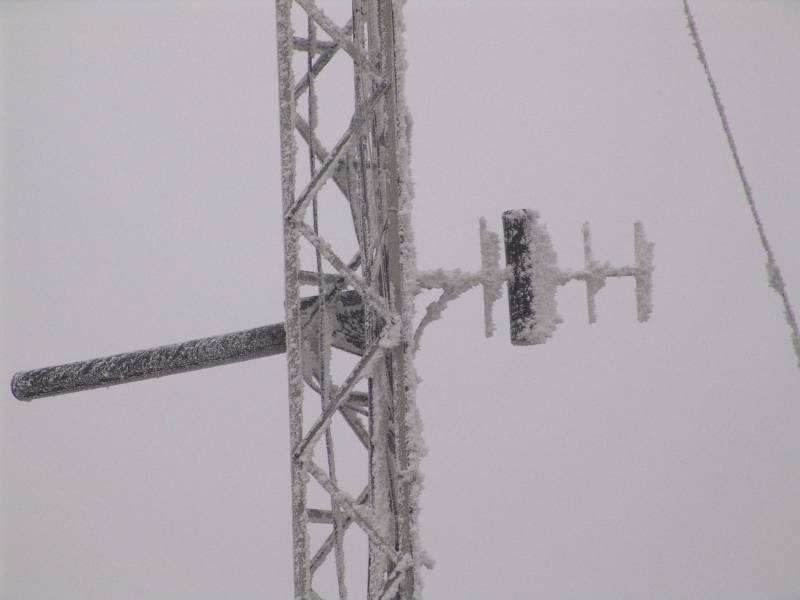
{"x": 140, "y": 207}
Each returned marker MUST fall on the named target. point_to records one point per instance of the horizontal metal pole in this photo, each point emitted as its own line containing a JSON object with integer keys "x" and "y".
{"x": 317, "y": 515}
{"x": 185, "y": 356}
{"x": 147, "y": 364}
{"x": 319, "y": 46}
{"x": 327, "y": 546}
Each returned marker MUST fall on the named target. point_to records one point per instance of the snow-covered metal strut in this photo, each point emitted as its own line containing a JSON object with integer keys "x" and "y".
{"x": 363, "y": 305}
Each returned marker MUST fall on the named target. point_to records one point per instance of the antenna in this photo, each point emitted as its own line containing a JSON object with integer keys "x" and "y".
{"x": 535, "y": 276}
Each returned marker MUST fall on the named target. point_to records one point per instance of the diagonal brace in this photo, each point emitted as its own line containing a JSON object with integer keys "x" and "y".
{"x": 342, "y": 394}
{"x": 349, "y": 506}
{"x": 339, "y": 36}
{"x": 370, "y": 296}
{"x": 325, "y": 171}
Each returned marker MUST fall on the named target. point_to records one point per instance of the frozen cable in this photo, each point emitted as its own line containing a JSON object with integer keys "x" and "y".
{"x": 773, "y": 272}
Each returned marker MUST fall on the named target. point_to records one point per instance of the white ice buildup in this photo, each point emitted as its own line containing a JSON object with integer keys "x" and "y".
{"x": 493, "y": 276}
{"x": 455, "y": 282}
{"x": 535, "y": 276}
{"x": 643, "y": 252}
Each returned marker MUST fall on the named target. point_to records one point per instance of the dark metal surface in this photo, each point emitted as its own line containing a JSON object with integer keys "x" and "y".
{"x": 153, "y": 362}
{"x": 348, "y": 330}
{"x": 185, "y": 356}
{"x": 516, "y": 231}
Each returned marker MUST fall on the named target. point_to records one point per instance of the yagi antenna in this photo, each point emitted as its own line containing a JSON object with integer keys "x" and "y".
{"x": 535, "y": 276}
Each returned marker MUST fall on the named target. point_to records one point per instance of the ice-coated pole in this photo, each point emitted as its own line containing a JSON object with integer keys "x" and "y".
{"x": 348, "y": 335}
{"x": 147, "y": 364}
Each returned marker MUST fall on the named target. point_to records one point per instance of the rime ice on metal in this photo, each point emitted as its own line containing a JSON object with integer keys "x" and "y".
{"x": 773, "y": 271}
{"x": 643, "y": 252}
{"x": 535, "y": 276}
{"x": 370, "y": 167}
{"x": 348, "y": 335}
{"x": 494, "y": 278}
{"x": 455, "y": 282}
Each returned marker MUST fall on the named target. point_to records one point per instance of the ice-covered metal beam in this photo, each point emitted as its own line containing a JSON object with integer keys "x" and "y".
{"x": 340, "y": 36}
{"x": 318, "y": 46}
{"x": 150, "y": 363}
{"x": 185, "y": 356}
{"x": 339, "y": 151}
{"x": 321, "y": 62}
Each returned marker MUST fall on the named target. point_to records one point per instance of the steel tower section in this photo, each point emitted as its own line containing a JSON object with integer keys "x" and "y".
{"x": 369, "y": 166}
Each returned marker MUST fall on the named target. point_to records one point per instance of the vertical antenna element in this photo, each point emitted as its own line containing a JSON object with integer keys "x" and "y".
{"x": 593, "y": 284}
{"x": 643, "y": 257}
{"x": 492, "y": 277}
